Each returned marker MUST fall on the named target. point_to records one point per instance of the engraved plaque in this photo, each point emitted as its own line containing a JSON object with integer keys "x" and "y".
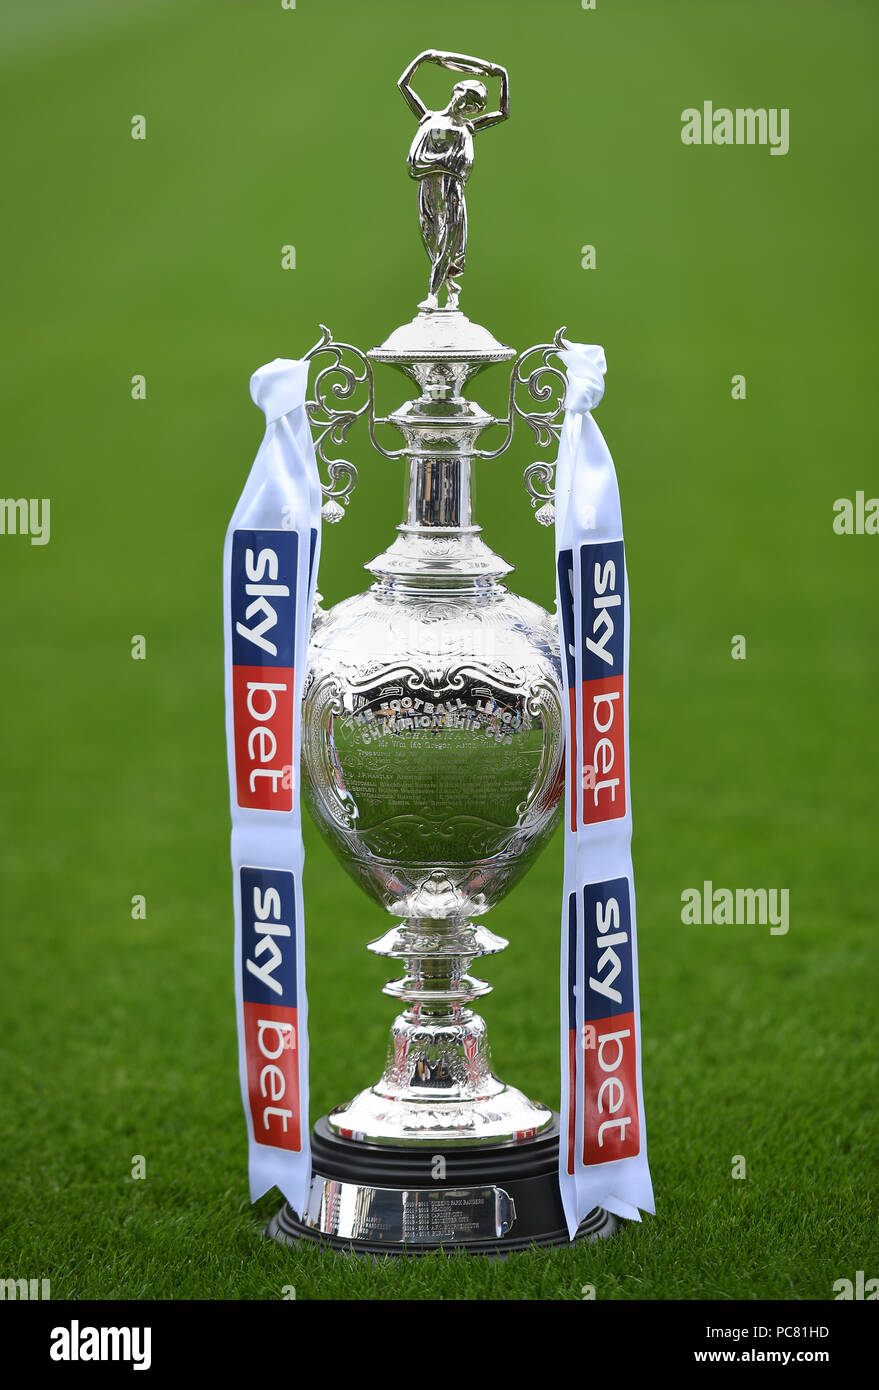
{"x": 420, "y": 1215}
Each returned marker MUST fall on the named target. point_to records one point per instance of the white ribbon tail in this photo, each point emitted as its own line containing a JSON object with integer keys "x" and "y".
{"x": 603, "y": 1149}
{"x": 270, "y": 566}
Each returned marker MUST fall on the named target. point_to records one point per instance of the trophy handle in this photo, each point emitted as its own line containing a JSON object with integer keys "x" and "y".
{"x": 337, "y": 381}
{"x": 542, "y": 382}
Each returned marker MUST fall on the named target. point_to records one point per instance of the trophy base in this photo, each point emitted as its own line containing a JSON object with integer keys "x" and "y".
{"x": 377, "y": 1200}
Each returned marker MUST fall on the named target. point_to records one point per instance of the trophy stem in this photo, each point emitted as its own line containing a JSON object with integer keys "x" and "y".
{"x": 438, "y": 1086}
{"x": 437, "y": 956}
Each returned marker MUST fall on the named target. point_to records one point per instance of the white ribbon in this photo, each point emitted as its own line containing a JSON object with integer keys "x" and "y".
{"x": 270, "y": 564}
{"x": 603, "y": 1147}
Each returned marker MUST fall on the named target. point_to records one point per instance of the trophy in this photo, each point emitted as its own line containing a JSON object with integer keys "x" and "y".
{"x": 433, "y": 752}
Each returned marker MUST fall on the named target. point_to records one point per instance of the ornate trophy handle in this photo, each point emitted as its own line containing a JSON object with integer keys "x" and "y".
{"x": 339, "y": 381}
{"x": 543, "y": 382}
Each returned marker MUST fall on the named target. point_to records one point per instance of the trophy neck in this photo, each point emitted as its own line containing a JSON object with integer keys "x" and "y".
{"x": 439, "y": 546}
{"x": 440, "y": 494}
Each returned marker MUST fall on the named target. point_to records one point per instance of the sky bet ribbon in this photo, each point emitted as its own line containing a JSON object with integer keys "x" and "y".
{"x": 270, "y": 562}
{"x": 603, "y": 1149}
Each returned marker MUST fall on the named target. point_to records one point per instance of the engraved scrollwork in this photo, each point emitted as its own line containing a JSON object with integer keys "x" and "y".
{"x": 323, "y": 703}
{"x": 542, "y": 703}
{"x": 543, "y": 382}
{"x": 539, "y": 484}
{"x": 340, "y": 382}
{"x": 332, "y": 410}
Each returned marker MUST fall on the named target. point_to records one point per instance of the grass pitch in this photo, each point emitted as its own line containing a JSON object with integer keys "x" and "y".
{"x": 161, "y": 257}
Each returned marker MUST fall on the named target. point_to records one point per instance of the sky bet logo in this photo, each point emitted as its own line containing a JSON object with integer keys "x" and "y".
{"x": 611, "y": 1128}
{"x": 602, "y": 616}
{"x": 263, "y": 598}
{"x": 270, "y": 1001}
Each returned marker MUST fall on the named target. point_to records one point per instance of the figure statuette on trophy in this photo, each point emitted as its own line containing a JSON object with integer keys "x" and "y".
{"x": 433, "y": 746}
{"x": 441, "y": 157}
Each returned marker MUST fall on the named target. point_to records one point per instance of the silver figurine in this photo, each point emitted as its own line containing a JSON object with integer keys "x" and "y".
{"x": 441, "y": 157}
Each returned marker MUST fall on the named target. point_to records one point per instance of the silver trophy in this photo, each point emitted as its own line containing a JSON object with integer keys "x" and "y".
{"x": 433, "y": 753}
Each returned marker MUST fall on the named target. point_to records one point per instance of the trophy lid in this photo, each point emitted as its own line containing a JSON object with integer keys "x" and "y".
{"x": 441, "y": 335}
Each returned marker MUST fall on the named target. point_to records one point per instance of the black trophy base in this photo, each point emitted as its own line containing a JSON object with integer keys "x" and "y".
{"x": 377, "y": 1199}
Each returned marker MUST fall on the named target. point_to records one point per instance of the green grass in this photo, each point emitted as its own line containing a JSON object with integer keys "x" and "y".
{"x": 162, "y": 257}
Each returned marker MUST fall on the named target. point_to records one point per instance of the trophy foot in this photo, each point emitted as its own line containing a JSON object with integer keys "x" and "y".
{"x": 439, "y": 1152}
{"x": 438, "y": 1086}
{"x": 488, "y": 1113}
{"x": 370, "y": 1199}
